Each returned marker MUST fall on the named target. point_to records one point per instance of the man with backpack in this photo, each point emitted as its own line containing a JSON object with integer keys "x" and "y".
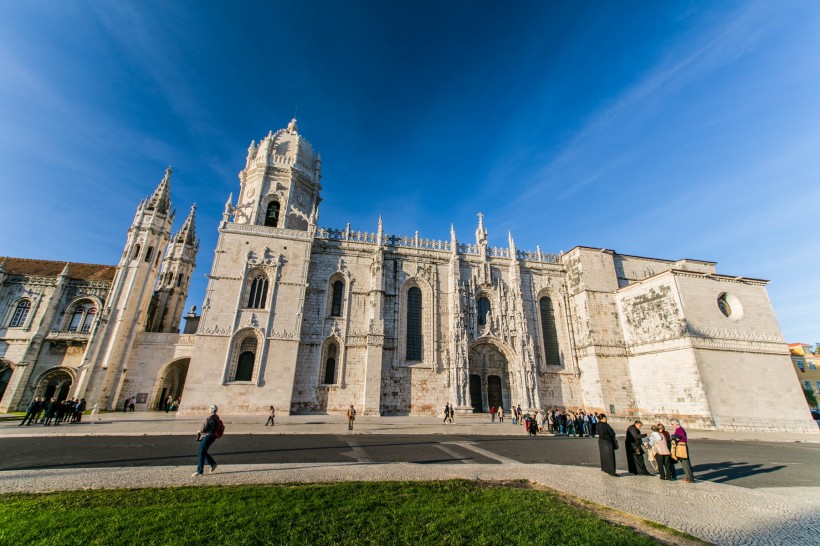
{"x": 212, "y": 428}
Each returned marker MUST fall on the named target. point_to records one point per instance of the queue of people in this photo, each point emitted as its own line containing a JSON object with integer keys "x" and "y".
{"x": 53, "y": 412}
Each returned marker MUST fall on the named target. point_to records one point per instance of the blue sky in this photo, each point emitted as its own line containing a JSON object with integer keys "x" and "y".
{"x": 662, "y": 129}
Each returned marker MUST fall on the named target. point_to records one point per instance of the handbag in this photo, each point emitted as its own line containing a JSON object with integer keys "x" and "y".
{"x": 682, "y": 451}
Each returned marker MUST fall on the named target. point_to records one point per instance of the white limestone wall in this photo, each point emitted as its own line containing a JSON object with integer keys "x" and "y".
{"x": 151, "y": 353}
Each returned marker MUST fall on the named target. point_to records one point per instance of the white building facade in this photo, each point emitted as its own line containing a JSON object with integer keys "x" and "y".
{"x": 314, "y": 320}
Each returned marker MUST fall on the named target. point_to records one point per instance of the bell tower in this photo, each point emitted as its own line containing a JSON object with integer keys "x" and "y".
{"x": 281, "y": 182}
{"x": 172, "y": 289}
{"x": 127, "y": 306}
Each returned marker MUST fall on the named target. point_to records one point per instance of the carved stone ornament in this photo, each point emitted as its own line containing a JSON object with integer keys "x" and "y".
{"x": 214, "y": 331}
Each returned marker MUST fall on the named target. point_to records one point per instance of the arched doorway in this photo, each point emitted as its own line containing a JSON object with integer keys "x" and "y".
{"x": 54, "y": 383}
{"x": 5, "y": 377}
{"x": 171, "y": 383}
{"x": 491, "y": 386}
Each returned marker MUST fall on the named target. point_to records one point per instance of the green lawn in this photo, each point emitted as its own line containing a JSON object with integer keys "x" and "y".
{"x": 439, "y": 513}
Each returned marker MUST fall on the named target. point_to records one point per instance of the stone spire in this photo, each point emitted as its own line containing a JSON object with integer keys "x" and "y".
{"x": 187, "y": 233}
{"x": 512, "y": 245}
{"x": 292, "y": 127}
{"x": 160, "y": 201}
{"x": 228, "y": 208}
{"x": 453, "y": 241}
{"x": 380, "y": 233}
{"x": 480, "y": 232}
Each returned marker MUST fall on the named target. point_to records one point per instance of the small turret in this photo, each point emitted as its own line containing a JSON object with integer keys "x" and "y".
{"x": 160, "y": 201}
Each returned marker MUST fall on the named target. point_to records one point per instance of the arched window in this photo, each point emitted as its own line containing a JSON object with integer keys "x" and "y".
{"x": 148, "y": 254}
{"x": 20, "y": 314}
{"x": 76, "y": 319}
{"x": 136, "y": 252}
{"x": 259, "y": 292}
{"x": 336, "y": 302}
{"x": 330, "y": 365}
{"x": 88, "y": 320}
{"x": 179, "y": 279}
{"x": 483, "y": 310}
{"x": 414, "y": 340}
{"x": 551, "y": 355}
{"x": 272, "y": 214}
{"x": 247, "y": 357}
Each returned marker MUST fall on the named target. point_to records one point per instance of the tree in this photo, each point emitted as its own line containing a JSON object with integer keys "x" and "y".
{"x": 811, "y": 397}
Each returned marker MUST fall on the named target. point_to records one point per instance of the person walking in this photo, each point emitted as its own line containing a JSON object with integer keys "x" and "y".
{"x": 681, "y": 450}
{"x": 634, "y": 450}
{"x": 657, "y": 442}
{"x": 607, "y": 444}
{"x": 452, "y": 413}
{"x": 271, "y": 415}
{"x": 32, "y": 410}
{"x": 211, "y": 429}
{"x": 351, "y": 416}
{"x": 446, "y": 411}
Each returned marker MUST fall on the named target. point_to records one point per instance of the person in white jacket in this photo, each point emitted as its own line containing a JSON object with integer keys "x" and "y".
{"x": 660, "y": 447}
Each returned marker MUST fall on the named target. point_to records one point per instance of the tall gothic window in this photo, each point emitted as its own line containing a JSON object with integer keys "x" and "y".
{"x": 88, "y": 320}
{"x": 330, "y": 365}
{"x": 136, "y": 252}
{"x": 179, "y": 279}
{"x": 148, "y": 254}
{"x": 483, "y": 311}
{"x": 259, "y": 292}
{"x": 414, "y": 324}
{"x": 336, "y": 302}
{"x": 551, "y": 355}
{"x": 247, "y": 357}
{"x": 272, "y": 214}
{"x": 20, "y": 314}
{"x": 76, "y": 319}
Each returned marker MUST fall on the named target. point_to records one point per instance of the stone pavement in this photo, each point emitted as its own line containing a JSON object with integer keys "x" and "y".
{"x": 717, "y": 513}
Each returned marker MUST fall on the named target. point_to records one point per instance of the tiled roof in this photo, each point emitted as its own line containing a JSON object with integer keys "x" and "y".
{"x": 49, "y": 268}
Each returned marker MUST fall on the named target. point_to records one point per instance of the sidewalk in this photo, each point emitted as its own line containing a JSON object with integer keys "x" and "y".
{"x": 148, "y": 423}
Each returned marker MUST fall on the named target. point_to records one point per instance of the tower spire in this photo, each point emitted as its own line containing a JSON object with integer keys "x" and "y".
{"x": 187, "y": 233}
{"x": 160, "y": 200}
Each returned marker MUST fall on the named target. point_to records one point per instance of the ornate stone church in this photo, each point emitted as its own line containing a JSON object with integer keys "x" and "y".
{"x": 312, "y": 320}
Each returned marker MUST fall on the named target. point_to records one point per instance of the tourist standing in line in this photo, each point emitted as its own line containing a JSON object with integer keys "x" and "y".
{"x": 351, "y": 416}
{"x": 207, "y": 435}
{"x": 679, "y": 435}
{"x": 634, "y": 450}
{"x": 607, "y": 444}
{"x": 657, "y": 442}
{"x": 446, "y": 411}
{"x": 271, "y": 415}
{"x": 33, "y": 408}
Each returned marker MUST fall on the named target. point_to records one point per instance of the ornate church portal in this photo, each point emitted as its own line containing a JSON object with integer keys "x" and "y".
{"x": 489, "y": 377}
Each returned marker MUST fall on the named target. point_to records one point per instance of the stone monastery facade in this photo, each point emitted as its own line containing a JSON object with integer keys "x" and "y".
{"x": 312, "y": 320}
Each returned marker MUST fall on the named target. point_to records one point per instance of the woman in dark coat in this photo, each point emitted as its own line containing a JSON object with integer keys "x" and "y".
{"x": 607, "y": 444}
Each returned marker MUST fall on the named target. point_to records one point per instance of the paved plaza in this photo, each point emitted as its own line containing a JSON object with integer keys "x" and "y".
{"x": 752, "y": 488}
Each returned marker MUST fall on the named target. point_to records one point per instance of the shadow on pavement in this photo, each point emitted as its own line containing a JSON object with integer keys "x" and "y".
{"x": 727, "y": 471}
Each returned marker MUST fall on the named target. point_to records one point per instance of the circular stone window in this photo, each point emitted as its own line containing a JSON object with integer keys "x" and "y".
{"x": 730, "y": 306}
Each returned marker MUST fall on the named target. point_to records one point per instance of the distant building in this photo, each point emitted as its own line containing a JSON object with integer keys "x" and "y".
{"x": 313, "y": 320}
{"x": 807, "y": 367}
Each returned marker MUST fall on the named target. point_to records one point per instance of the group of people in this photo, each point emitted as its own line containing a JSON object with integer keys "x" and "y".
{"x": 170, "y": 404}
{"x": 48, "y": 412}
{"x": 497, "y": 412}
{"x": 660, "y": 447}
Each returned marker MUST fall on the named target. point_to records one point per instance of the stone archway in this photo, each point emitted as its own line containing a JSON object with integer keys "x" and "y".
{"x": 171, "y": 383}
{"x": 54, "y": 383}
{"x": 5, "y": 376}
{"x": 489, "y": 364}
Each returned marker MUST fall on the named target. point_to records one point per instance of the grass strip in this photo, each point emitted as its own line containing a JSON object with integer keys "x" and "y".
{"x": 441, "y": 513}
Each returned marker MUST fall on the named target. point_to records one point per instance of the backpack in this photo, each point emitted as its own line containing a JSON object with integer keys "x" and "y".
{"x": 219, "y": 428}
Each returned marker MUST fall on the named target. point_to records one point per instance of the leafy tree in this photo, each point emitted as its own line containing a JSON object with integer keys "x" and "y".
{"x": 811, "y": 397}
